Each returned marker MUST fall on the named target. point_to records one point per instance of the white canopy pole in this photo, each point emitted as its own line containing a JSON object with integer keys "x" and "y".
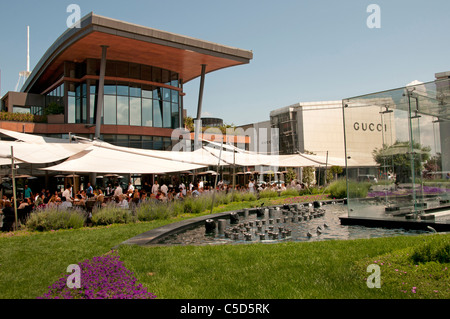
{"x": 13, "y": 175}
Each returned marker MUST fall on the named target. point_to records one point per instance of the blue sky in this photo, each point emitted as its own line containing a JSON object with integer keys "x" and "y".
{"x": 303, "y": 50}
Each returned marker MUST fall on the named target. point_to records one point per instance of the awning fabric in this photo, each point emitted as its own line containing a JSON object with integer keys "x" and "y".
{"x": 103, "y": 160}
{"x": 86, "y": 156}
{"x": 38, "y": 153}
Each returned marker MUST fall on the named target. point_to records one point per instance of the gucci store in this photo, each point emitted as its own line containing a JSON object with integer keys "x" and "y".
{"x": 317, "y": 127}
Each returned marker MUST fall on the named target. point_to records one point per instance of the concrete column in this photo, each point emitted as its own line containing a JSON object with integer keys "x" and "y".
{"x": 101, "y": 85}
{"x": 198, "y": 121}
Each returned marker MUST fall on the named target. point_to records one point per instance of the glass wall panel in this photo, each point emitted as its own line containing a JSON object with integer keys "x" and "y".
{"x": 122, "y": 90}
{"x": 78, "y": 109}
{"x": 135, "y": 111}
{"x": 157, "y": 93}
{"x": 109, "y": 110}
{"x": 122, "y": 140}
{"x": 397, "y": 151}
{"x": 166, "y": 94}
{"x": 175, "y": 96}
{"x": 92, "y": 108}
{"x": 158, "y": 143}
{"x": 147, "y": 92}
{"x": 157, "y": 113}
{"x": 167, "y": 115}
{"x": 135, "y": 91}
{"x": 147, "y": 142}
{"x": 147, "y": 112}
{"x": 135, "y": 141}
{"x": 122, "y": 110}
{"x": 109, "y": 89}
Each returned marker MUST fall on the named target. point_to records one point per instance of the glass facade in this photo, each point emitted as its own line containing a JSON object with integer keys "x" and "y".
{"x": 412, "y": 161}
{"x": 134, "y": 95}
{"x": 127, "y": 102}
{"x": 286, "y": 123}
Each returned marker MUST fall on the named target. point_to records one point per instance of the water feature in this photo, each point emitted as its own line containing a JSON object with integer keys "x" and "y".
{"x": 295, "y": 222}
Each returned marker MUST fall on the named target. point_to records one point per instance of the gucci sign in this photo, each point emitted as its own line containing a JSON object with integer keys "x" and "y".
{"x": 369, "y": 127}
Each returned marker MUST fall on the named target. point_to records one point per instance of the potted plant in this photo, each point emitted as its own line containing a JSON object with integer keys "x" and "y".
{"x": 54, "y": 113}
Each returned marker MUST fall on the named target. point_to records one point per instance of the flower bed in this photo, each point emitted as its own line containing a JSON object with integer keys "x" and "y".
{"x": 426, "y": 190}
{"x": 103, "y": 277}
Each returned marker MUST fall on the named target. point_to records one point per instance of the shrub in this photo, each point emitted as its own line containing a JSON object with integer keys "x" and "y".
{"x": 102, "y": 277}
{"x": 193, "y": 205}
{"x": 249, "y": 197}
{"x": 358, "y": 190}
{"x": 435, "y": 250}
{"x": 22, "y": 117}
{"x": 338, "y": 189}
{"x": 111, "y": 215}
{"x": 290, "y": 192}
{"x": 268, "y": 193}
{"x": 152, "y": 210}
{"x": 53, "y": 218}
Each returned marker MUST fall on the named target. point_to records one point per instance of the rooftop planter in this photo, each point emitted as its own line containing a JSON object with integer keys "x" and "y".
{"x": 22, "y": 117}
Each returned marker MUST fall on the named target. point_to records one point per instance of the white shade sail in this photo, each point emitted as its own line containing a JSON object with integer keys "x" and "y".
{"x": 24, "y": 137}
{"x": 198, "y": 157}
{"x": 103, "y": 160}
{"x": 38, "y": 153}
{"x": 88, "y": 156}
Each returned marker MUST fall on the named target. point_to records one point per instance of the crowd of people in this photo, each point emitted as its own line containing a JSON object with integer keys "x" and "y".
{"x": 124, "y": 197}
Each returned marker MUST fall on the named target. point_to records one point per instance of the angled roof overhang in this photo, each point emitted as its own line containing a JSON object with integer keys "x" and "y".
{"x": 133, "y": 43}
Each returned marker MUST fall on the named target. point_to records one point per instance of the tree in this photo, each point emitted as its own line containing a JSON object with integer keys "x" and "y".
{"x": 432, "y": 165}
{"x": 308, "y": 175}
{"x": 290, "y": 175}
{"x": 189, "y": 123}
{"x": 399, "y": 156}
{"x": 333, "y": 172}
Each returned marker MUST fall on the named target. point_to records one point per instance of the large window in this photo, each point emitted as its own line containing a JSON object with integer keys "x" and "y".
{"x": 147, "y": 112}
{"x": 126, "y": 103}
{"x": 135, "y": 111}
{"x": 109, "y": 113}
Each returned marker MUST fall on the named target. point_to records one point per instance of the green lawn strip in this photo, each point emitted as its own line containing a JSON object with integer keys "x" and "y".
{"x": 410, "y": 278}
{"x": 329, "y": 269}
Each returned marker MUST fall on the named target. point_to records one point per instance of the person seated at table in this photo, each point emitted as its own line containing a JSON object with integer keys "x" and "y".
{"x": 160, "y": 196}
{"x": 8, "y": 216}
{"x": 23, "y": 204}
{"x": 121, "y": 201}
{"x": 100, "y": 196}
{"x": 79, "y": 201}
{"x": 144, "y": 197}
{"x": 52, "y": 202}
{"x": 65, "y": 203}
{"x": 40, "y": 201}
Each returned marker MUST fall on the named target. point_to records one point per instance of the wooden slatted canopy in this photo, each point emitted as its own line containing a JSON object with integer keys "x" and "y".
{"x": 133, "y": 43}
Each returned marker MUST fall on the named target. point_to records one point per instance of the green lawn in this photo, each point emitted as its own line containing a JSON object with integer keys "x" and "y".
{"x": 328, "y": 269}
{"x": 30, "y": 262}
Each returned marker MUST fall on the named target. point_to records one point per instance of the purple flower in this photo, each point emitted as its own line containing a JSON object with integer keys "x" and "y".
{"x": 102, "y": 277}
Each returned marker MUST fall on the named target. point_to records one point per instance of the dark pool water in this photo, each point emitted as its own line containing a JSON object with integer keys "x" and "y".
{"x": 307, "y": 224}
